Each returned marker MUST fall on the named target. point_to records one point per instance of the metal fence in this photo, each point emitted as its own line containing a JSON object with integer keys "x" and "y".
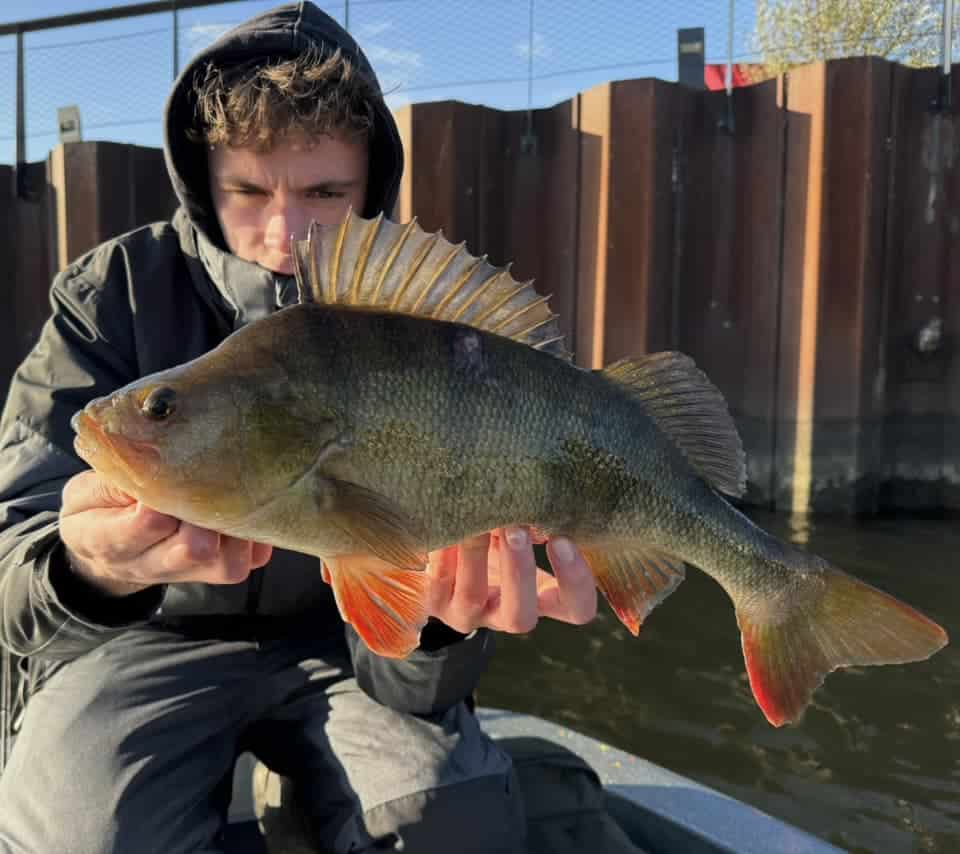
{"x": 116, "y": 65}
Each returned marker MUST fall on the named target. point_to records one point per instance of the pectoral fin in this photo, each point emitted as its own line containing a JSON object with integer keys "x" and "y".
{"x": 386, "y": 605}
{"x": 634, "y": 579}
{"x": 374, "y": 523}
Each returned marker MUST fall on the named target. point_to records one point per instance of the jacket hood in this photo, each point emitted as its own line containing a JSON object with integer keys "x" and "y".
{"x": 281, "y": 32}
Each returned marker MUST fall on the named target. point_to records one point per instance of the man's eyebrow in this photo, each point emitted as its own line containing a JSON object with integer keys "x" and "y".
{"x": 331, "y": 184}
{"x": 241, "y": 183}
{"x": 324, "y": 184}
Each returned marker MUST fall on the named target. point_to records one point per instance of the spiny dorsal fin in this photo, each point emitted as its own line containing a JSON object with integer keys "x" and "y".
{"x": 381, "y": 264}
{"x": 691, "y": 411}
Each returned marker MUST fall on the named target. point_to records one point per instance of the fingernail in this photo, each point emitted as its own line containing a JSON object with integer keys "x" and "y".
{"x": 516, "y": 537}
{"x": 562, "y": 549}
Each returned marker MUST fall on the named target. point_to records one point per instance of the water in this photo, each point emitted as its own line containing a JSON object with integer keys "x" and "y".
{"x": 874, "y": 766}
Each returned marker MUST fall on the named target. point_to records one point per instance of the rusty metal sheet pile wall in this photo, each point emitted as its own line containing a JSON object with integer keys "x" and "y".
{"x": 801, "y": 241}
{"x": 26, "y": 262}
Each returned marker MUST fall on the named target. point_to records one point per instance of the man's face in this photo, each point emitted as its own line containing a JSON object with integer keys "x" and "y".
{"x": 261, "y": 199}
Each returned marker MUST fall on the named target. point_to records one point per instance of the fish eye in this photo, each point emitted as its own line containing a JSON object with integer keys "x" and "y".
{"x": 159, "y": 404}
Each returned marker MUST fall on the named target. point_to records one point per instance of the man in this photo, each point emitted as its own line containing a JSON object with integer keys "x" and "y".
{"x": 162, "y": 650}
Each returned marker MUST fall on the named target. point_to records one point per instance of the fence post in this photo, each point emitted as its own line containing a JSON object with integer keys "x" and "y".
{"x": 21, "y": 153}
{"x": 947, "y": 55}
{"x": 176, "y": 41}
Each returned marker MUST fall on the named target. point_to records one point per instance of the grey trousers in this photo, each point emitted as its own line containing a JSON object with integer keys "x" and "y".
{"x": 129, "y": 749}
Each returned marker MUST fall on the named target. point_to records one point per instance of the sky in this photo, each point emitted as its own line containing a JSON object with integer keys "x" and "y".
{"x": 481, "y": 51}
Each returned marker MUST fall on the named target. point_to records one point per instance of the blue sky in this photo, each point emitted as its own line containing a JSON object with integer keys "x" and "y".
{"x": 118, "y": 73}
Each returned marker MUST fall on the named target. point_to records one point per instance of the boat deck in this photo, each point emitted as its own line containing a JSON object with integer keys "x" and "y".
{"x": 660, "y": 811}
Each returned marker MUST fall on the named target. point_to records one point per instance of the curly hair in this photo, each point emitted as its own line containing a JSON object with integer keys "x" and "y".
{"x": 259, "y": 103}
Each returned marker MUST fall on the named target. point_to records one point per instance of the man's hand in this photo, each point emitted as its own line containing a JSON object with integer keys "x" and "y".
{"x": 493, "y": 581}
{"x": 120, "y": 546}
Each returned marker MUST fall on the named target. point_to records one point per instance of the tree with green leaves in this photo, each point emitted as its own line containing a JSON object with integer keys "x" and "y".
{"x": 796, "y": 32}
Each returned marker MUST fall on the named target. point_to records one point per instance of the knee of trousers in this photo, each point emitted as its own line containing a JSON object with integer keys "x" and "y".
{"x": 483, "y": 814}
{"x": 82, "y": 779}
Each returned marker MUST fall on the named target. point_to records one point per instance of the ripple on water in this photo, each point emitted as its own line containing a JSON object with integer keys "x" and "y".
{"x": 872, "y": 767}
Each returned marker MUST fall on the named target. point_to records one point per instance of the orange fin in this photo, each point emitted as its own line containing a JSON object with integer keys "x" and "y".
{"x": 838, "y": 621}
{"x": 386, "y": 605}
{"x": 634, "y": 580}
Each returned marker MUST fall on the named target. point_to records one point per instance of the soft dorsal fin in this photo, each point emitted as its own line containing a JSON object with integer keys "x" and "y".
{"x": 377, "y": 263}
{"x": 691, "y": 411}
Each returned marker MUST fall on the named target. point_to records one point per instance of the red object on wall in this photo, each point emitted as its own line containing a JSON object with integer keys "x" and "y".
{"x": 715, "y": 74}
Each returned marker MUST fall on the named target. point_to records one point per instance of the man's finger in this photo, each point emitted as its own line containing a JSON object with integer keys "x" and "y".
{"x": 145, "y": 527}
{"x": 442, "y": 572}
{"x": 115, "y": 534}
{"x": 260, "y": 557}
{"x": 89, "y": 491}
{"x": 189, "y": 547}
{"x": 470, "y": 586}
{"x": 234, "y": 559}
{"x": 573, "y": 598}
{"x": 517, "y": 610}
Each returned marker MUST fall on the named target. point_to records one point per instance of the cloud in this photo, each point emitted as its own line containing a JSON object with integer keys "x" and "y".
{"x": 370, "y": 31}
{"x": 540, "y": 47}
{"x": 396, "y": 68}
{"x": 406, "y": 60}
{"x": 204, "y": 34}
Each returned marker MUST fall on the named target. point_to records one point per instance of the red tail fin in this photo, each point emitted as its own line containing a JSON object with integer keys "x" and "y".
{"x": 835, "y": 621}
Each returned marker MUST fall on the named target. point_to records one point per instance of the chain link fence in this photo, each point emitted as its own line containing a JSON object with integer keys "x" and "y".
{"x": 510, "y": 54}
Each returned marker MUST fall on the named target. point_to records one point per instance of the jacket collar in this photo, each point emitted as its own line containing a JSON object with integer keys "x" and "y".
{"x": 242, "y": 291}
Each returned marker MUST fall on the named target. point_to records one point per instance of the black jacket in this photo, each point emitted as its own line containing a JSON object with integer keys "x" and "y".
{"x": 143, "y": 302}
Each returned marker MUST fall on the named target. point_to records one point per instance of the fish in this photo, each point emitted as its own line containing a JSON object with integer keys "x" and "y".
{"x": 416, "y": 396}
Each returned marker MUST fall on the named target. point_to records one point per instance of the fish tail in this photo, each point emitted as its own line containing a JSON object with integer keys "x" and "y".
{"x": 825, "y": 619}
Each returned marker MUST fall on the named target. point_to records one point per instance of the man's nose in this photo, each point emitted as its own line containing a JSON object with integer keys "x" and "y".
{"x": 285, "y": 219}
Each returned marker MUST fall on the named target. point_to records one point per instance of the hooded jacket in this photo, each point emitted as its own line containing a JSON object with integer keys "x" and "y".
{"x": 146, "y": 301}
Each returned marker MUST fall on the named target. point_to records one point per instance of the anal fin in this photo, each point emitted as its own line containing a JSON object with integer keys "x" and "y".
{"x": 385, "y": 604}
{"x": 634, "y": 579}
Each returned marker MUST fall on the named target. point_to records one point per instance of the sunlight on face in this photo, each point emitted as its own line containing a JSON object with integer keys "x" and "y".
{"x": 262, "y": 199}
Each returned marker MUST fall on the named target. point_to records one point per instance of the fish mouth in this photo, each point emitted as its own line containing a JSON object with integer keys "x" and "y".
{"x": 112, "y": 454}
{"x": 91, "y": 438}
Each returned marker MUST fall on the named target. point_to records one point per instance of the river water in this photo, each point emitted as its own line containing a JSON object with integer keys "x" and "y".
{"x": 874, "y": 765}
